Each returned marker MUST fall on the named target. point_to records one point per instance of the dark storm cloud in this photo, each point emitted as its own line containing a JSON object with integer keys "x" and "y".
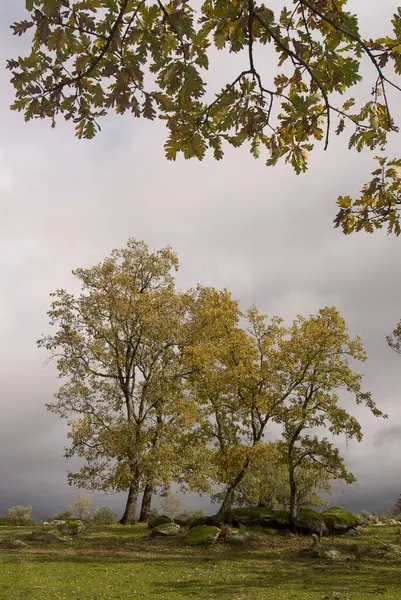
{"x": 266, "y": 234}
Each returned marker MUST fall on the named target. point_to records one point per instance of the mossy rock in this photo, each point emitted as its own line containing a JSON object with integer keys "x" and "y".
{"x": 199, "y": 521}
{"x": 339, "y": 520}
{"x": 73, "y": 527}
{"x": 161, "y": 520}
{"x": 167, "y": 529}
{"x": 204, "y": 535}
{"x": 310, "y": 521}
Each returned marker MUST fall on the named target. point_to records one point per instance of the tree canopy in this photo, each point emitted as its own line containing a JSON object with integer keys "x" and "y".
{"x": 296, "y": 67}
{"x": 162, "y": 386}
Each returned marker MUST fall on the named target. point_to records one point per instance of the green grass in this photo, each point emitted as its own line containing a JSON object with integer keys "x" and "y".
{"x": 121, "y": 563}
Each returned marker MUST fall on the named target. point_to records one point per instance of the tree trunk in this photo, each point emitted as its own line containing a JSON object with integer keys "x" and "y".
{"x": 293, "y": 494}
{"x": 146, "y": 503}
{"x": 129, "y": 516}
{"x": 229, "y": 496}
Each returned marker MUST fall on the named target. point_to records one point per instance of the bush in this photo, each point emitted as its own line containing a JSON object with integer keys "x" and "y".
{"x": 72, "y": 527}
{"x": 104, "y": 515}
{"x": 62, "y": 515}
{"x": 19, "y": 515}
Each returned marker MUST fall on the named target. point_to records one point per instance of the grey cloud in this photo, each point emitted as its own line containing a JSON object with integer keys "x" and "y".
{"x": 264, "y": 233}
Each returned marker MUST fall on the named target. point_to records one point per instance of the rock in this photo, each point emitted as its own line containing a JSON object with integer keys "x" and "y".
{"x": 65, "y": 539}
{"x": 393, "y": 522}
{"x": 46, "y": 524}
{"x": 15, "y": 544}
{"x": 324, "y": 551}
{"x": 73, "y": 527}
{"x": 201, "y": 521}
{"x": 235, "y": 538}
{"x": 161, "y": 520}
{"x": 46, "y": 537}
{"x": 204, "y": 535}
{"x": 167, "y": 529}
{"x": 352, "y": 533}
{"x": 310, "y": 521}
{"x": 339, "y": 520}
{"x": 57, "y": 522}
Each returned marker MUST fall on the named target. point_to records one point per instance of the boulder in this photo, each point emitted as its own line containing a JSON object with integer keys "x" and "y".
{"x": 234, "y": 538}
{"x": 57, "y": 522}
{"x": 309, "y": 522}
{"x": 380, "y": 550}
{"x": 167, "y": 529}
{"x": 201, "y": 521}
{"x": 204, "y": 535}
{"x": 352, "y": 533}
{"x": 339, "y": 520}
{"x": 15, "y": 544}
{"x": 161, "y": 520}
{"x": 324, "y": 551}
{"x": 46, "y": 537}
{"x": 73, "y": 527}
{"x": 46, "y": 524}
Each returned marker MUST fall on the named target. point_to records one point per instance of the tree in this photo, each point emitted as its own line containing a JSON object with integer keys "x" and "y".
{"x": 394, "y": 340}
{"x": 266, "y": 485}
{"x": 88, "y": 58}
{"x": 81, "y": 507}
{"x": 104, "y": 515}
{"x": 118, "y": 349}
{"x": 20, "y": 515}
{"x": 268, "y": 373}
{"x": 170, "y": 504}
{"x": 396, "y": 510}
{"x": 321, "y": 349}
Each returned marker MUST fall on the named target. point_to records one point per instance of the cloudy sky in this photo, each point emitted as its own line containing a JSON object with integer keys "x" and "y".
{"x": 264, "y": 233}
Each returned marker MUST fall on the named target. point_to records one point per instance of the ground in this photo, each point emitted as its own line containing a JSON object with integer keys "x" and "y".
{"x": 121, "y": 563}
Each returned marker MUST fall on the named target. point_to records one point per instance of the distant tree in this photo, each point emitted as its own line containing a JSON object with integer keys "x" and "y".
{"x": 81, "y": 508}
{"x": 20, "y": 515}
{"x": 104, "y": 515}
{"x": 170, "y": 504}
{"x": 63, "y": 515}
{"x": 88, "y": 58}
{"x": 396, "y": 510}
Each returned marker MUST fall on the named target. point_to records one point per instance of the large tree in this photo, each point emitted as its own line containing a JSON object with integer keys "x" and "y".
{"x": 118, "y": 346}
{"x": 260, "y": 372}
{"x": 321, "y": 348}
{"x": 296, "y": 66}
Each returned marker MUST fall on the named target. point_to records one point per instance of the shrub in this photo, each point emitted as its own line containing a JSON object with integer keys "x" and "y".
{"x": 104, "y": 515}
{"x": 62, "y": 515}
{"x": 20, "y": 515}
{"x": 72, "y": 527}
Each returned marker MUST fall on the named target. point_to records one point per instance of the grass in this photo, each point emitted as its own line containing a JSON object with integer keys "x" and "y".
{"x": 121, "y": 563}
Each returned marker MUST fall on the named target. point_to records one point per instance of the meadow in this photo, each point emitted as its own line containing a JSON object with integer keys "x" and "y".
{"x": 126, "y": 562}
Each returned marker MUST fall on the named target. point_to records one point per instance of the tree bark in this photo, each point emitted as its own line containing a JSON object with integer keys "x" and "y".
{"x": 146, "y": 503}
{"x": 293, "y": 494}
{"x": 229, "y": 497}
{"x": 129, "y": 516}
